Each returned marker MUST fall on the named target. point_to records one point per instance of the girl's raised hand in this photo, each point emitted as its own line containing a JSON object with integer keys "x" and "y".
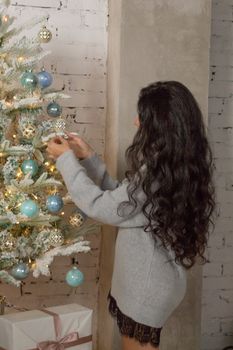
{"x": 57, "y": 146}
{"x": 80, "y": 147}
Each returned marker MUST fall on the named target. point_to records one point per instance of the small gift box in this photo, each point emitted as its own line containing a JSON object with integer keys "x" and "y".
{"x": 53, "y": 328}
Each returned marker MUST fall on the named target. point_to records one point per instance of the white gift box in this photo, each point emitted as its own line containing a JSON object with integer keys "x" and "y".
{"x": 25, "y": 330}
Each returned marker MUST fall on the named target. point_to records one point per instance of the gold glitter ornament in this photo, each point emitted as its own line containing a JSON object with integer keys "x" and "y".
{"x": 27, "y": 231}
{"x": 52, "y": 190}
{"x": 8, "y": 243}
{"x": 44, "y": 35}
{"x": 28, "y": 131}
{"x": 76, "y": 219}
{"x": 59, "y": 125}
{"x": 16, "y": 230}
{"x": 56, "y": 238}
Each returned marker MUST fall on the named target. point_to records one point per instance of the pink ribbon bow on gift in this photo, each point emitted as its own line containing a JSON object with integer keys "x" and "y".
{"x": 67, "y": 341}
{"x": 58, "y": 345}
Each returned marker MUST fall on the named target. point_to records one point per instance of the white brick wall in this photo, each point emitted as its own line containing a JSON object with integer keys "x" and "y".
{"x": 78, "y": 64}
{"x": 217, "y": 300}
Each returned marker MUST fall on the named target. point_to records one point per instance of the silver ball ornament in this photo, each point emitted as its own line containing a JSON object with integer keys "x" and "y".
{"x": 20, "y": 271}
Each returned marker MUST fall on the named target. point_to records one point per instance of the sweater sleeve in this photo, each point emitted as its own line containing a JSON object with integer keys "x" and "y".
{"x": 96, "y": 170}
{"x": 95, "y": 202}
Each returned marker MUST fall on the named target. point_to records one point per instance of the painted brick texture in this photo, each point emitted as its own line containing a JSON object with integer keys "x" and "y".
{"x": 217, "y": 297}
{"x": 78, "y": 64}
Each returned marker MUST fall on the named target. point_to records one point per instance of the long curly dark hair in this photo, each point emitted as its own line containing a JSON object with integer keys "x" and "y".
{"x": 171, "y": 142}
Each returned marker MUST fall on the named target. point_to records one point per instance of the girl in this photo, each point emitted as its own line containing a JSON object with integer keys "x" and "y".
{"x": 163, "y": 207}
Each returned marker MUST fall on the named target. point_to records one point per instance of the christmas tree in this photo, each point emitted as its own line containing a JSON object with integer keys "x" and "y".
{"x": 32, "y": 226}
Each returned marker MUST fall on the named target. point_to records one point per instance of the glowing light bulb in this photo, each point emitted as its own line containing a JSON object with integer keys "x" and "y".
{"x": 19, "y": 173}
{"x": 52, "y": 168}
{"x": 8, "y": 103}
{"x": 20, "y": 59}
{"x": 5, "y": 18}
{"x": 33, "y": 266}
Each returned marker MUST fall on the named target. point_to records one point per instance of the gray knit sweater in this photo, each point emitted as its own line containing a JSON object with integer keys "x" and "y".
{"x": 147, "y": 283}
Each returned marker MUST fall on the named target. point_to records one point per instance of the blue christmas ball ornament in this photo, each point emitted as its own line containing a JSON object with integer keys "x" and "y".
{"x": 29, "y": 166}
{"x": 20, "y": 271}
{"x": 74, "y": 277}
{"x": 29, "y": 80}
{"x": 45, "y": 79}
{"x": 54, "y": 109}
{"x": 29, "y": 208}
{"x": 54, "y": 203}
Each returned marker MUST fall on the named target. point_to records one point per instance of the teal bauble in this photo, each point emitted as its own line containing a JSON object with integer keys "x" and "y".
{"x": 29, "y": 208}
{"x": 54, "y": 203}
{"x": 74, "y": 277}
{"x": 29, "y": 80}
{"x": 20, "y": 271}
{"x": 54, "y": 109}
{"x": 45, "y": 79}
{"x": 29, "y": 166}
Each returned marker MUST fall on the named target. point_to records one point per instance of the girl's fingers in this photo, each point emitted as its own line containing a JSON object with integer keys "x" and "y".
{"x": 75, "y": 137}
{"x": 58, "y": 140}
{"x": 50, "y": 156}
{"x": 53, "y": 141}
{"x": 70, "y": 136}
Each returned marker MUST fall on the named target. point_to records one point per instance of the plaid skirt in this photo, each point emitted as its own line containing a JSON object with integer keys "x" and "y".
{"x": 130, "y": 328}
